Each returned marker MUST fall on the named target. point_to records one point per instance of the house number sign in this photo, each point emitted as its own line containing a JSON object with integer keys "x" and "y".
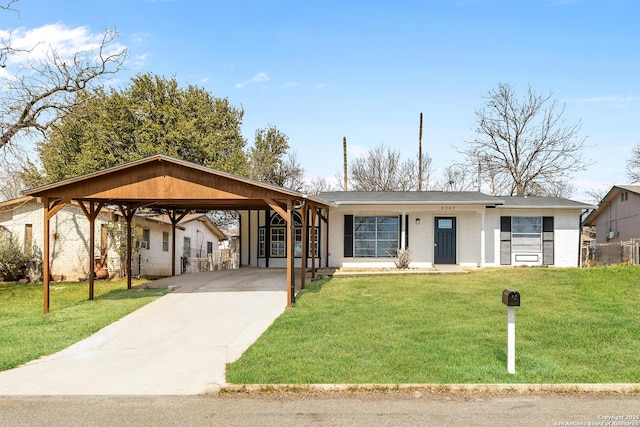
{"x": 448, "y": 208}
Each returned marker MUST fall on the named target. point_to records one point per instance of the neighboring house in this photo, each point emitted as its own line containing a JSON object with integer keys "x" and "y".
{"x": 469, "y": 229}
{"x": 197, "y": 244}
{"x": 24, "y": 219}
{"x": 196, "y": 237}
{"x": 617, "y": 218}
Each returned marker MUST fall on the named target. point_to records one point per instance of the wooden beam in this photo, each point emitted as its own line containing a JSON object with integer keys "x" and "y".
{"x": 91, "y": 214}
{"x": 45, "y": 256}
{"x": 128, "y": 212}
{"x": 313, "y": 241}
{"x": 55, "y": 206}
{"x": 174, "y": 222}
{"x": 305, "y": 246}
{"x": 326, "y": 220}
{"x": 288, "y": 217}
{"x": 276, "y": 207}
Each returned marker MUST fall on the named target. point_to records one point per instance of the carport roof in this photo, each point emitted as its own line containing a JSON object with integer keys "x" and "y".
{"x": 164, "y": 182}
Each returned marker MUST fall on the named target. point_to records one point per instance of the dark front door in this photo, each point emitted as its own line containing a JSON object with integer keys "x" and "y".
{"x": 444, "y": 240}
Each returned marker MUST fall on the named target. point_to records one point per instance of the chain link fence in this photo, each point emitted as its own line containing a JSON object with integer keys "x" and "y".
{"x": 594, "y": 254}
{"x": 224, "y": 259}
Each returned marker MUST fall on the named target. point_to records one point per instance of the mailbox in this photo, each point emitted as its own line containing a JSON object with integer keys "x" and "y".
{"x": 510, "y": 298}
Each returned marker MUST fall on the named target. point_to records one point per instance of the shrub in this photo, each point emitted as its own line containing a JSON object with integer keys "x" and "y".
{"x": 13, "y": 260}
{"x": 403, "y": 258}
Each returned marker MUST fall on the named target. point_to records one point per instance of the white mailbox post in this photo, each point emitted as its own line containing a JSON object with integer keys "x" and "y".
{"x": 511, "y": 299}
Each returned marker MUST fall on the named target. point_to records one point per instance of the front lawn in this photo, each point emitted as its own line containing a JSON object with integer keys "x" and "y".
{"x": 26, "y": 333}
{"x": 574, "y": 326}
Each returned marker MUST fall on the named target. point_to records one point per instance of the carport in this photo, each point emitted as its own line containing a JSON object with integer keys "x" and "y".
{"x": 176, "y": 187}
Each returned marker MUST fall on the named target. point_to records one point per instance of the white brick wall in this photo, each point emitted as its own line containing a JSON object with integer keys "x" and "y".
{"x": 566, "y": 234}
{"x": 69, "y": 241}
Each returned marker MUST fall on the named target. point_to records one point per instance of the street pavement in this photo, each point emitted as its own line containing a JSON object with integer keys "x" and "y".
{"x": 330, "y": 409}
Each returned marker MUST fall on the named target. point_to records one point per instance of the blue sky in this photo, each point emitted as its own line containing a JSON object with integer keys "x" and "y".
{"x": 323, "y": 70}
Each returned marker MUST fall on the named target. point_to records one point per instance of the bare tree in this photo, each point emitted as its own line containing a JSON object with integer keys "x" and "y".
{"x": 633, "y": 164}
{"x": 525, "y": 142}
{"x": 39, "y": 89}
{"x": 597, "y": 194}
{"x": 457, "y": 177}
{"x": 290, "y": 173}
{"x": 382, "y": 169}
{"x": 319, "y": 184}
{"x": 11, "y": 185}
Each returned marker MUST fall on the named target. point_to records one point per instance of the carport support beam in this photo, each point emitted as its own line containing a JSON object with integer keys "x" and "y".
{"x": 291, "y": 276}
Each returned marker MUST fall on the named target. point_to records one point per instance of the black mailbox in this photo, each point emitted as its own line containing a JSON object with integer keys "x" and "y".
{"x": 510, "y": 298}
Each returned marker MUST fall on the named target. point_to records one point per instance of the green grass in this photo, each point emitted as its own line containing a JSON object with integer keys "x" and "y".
{"x": 574, "y": 325}
{"x": 26, "y": 333}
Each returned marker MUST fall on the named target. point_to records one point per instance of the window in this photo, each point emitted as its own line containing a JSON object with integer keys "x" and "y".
{"x": 528, "y": 239}
{"x": 624, "y": 196}
{"x": 278, "y": 236}
{"x": 261, "y": 242}
{"x": 165, "y": 241}
{"x": 526, "y": 234}
{"x": 313, "y": 244}
{"x": 146, "y": 235}
{"x": 186, "y": 247}
{"x": 209, "y": 248}
{"x": 297, "y": 250}
{"x": 28, "y": 238}
{"x": 278, "y": 242}
{"x": 375, "y": 236}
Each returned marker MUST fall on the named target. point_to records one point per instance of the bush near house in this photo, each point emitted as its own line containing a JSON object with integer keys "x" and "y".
{"x": 13, "y": 260}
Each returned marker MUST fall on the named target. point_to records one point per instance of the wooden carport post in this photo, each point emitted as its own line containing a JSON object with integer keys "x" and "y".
{"x": 50, "y": 209}
{"x": 287, "y": 215}
{"x": 313, "y": 242}
{"x": 305, "y": 246}
{"x": 91, "y": 215}
{"x": 174, "y": 222}
{"x": 128, "y": 212}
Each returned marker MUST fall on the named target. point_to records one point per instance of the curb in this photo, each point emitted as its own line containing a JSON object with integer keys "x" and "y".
{"x": 614, "y": 388}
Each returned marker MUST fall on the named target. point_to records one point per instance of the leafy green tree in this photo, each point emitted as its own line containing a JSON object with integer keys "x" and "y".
{"x": 152, "y": 115}
{"x": 270, "y": 160}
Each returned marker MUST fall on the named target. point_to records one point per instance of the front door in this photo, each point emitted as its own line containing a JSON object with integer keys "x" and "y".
{"x": 444, "y": 240}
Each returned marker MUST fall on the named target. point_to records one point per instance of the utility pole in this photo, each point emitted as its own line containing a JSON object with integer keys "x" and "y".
{"x": 420, "y": 157}
{"x": 344, "y": 151}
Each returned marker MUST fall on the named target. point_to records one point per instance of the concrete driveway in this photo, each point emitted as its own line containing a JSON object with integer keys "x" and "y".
{"x": 176, "y": 345}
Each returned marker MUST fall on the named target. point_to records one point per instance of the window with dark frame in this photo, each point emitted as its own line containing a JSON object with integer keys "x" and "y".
{"x": 375, "y": 236}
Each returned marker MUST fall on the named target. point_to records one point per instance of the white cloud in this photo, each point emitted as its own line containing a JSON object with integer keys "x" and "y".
{"x": 203, "y": 80}
{"x": 140, "y": 38}
{"x": 37, "y": 43}
{"x": 258, "y": 78}
{"x": 288, "y": 85}
{"x": 139, "y": 61}
{"x": 322, "y": 85}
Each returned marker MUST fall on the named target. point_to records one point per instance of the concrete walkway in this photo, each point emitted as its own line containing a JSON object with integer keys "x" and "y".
{"x": 176, "y": 345}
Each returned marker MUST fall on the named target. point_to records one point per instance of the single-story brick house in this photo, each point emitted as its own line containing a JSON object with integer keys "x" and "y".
{"x": 469, "y": 229}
